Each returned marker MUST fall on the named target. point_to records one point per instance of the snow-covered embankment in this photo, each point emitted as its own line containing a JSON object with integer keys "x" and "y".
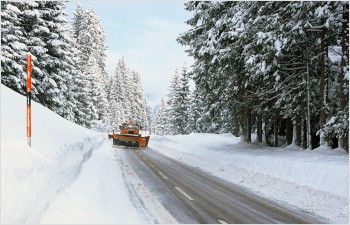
{"x": 31, "y": 177}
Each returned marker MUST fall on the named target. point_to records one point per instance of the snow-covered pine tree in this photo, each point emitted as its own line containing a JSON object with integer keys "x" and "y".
{"x": 172, "y": 128}
{"x": 309, "y": 46}
{"x": 13, "y": 46}
{"x": 73, "y": 107}
{"x": 120, "y": 74}
{"x": 61, "y": 50}
{"x": 95, "y": 36}
{"x": 149, "y": 118}
{"x": 90, "y": 38}
{"x": 195, "y": 112}
{"x": 77, "y": 25}
{"x": 152, "y": 120}
{"x": 161, "y": 119}
{"x": 135, "y": 97}
{"x": 47, "y": 38}
{"x": 172, "y": 117}
{"x": 114, "y": 108}
{"x": 127, "y": 80}
{"x": 126, "y": 90}
{"x": 77, "y": 85}
{"x": 139, "y": 103}
{"x": 217, "y": 71}
{"x": 182, "y": 103}
{"x": 78, "y": 21}
{"x": 344, "y": 78}
{"x": 47, "y": 82}
{"x": 36, "y": 33}
{"x": 337, "y": 124}
{"x": 91, "y": 91}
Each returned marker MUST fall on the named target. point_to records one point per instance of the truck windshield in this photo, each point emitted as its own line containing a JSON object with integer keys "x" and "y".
{"x": 129, "y": 127}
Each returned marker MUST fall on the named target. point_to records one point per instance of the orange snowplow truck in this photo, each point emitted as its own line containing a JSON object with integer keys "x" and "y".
{"x": 129, "y": 136}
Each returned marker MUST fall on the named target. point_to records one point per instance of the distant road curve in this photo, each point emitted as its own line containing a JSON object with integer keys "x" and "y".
{"x": 193, "y": 196}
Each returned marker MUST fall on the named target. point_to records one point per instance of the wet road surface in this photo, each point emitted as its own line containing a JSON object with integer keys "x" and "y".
{"x": 193, "y": 196}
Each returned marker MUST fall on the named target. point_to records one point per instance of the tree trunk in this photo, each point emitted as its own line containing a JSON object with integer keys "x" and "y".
{"x": 302, "y": 133}
{"x": 242, "y": 128}
{"x": 308, "y": 113}
{"x": 236, "y": 128}
{"x": 323, "y": 81}
{"x": 297, "y": 118}
{"x": 275, "y": 130}
{"x": 302, "y": 110}
{"x": 242, "y": 133}
{"x": 289, "y": 131}
{"x": 249, "y": 127}
{"x": 266, "y": 130}
{"x": 259, "y": 128}
{"x": 302, "y": 126}
{"x": 345, "y": 141}
{"x": 297, "y": 132}
{"x": 343, "y": 99}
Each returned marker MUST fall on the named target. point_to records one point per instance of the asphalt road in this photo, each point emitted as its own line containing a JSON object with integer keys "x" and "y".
{"x": 193, "y": 196}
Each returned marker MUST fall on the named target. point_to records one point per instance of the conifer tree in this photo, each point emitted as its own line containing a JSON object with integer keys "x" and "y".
{"x": 90, "y": 38}
{"x": 126, "y": 97}
{"x": 161, "y": 126}
{"x": 172, "y": 127}
{"x": 182, "y": 104}
{"x": 13, "y": 46}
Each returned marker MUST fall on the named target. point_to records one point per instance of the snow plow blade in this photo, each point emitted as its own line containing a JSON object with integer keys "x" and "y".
{"x": 133, "y": 141}
{"x": 129, "y": 136}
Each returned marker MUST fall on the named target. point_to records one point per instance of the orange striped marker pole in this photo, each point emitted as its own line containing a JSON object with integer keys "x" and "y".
{"x": 29, "y": 93}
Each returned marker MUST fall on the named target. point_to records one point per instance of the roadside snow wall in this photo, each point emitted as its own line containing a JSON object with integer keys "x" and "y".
{"x": 31, "y": 177}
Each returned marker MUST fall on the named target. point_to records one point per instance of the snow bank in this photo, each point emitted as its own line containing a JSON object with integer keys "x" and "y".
{"x": 310, "y": 180}
{"x": 32, "y": 176}
{"x": 98, "y": 196}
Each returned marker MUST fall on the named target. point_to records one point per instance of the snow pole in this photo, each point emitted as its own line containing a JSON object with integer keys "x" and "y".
{"x": 29, "y": 92}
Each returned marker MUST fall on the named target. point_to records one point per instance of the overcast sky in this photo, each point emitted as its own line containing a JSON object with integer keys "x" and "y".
{"x": 145, "y": 33}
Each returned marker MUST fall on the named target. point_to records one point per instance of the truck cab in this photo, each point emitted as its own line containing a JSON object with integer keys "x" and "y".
{"x": 130, "y": 128}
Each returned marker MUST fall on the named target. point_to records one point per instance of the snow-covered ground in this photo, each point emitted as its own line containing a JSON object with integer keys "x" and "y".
{"x": 315, "y": 181}
{"x": 72, "y": 175}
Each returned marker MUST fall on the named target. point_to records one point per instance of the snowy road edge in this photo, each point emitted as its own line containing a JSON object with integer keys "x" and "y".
{"x": 142, "y": 198}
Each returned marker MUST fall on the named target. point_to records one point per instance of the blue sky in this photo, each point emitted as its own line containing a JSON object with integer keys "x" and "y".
{"x": 145, "y": 33}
